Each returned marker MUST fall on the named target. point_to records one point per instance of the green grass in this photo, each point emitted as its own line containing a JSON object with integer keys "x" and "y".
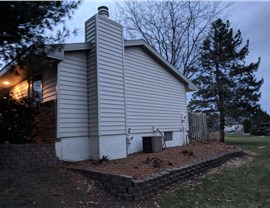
{"x": 246, "y": 185}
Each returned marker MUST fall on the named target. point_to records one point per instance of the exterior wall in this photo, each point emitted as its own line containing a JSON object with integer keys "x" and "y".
{"x": 106, "y": 88}
{"x": 90, "y": 36}
{"x": 20, "y": 90}
{"x": 113, "y": 146}
{"x": 110, "y": 77}
{"x": 49, "y": 84}
{"x": 154, "y": 96}
{"x": 72, "y": 119}
{"x": 73, "y": 149}
{"x": 46, "y": 122}
{"x": 135, "y": 141}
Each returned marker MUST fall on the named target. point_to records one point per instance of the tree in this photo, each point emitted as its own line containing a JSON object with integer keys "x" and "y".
{"x": 260, "y": 122}
{"x": 25, "y": 23}
{"x": 247, "y": 125}
{"x": 226, "y": 86}
{"x": 175, "y": 29}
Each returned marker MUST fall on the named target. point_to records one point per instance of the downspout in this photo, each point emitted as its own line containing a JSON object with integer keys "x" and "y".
{"x": 128, "y": 130}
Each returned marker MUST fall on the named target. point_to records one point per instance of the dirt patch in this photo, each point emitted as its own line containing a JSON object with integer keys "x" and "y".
{"x": 140, "y": 165}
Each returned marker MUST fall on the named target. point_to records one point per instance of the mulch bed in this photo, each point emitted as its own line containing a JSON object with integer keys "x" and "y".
{"x": 140, "y": 165}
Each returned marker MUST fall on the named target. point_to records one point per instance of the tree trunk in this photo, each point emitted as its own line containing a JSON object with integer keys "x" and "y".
{"x": 221, "y": 127}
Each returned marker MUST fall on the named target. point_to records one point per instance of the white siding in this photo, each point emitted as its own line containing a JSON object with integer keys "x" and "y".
{"x": 154, "y": 96}
{"x": 20, "y": 90}
{"x": 90, "y": 36}
{"x": 49, "y": 81}
{"x": 73, "y": 98}
{"x": 110, "y": 78}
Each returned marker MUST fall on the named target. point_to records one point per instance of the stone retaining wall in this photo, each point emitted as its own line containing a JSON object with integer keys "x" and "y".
{"x": 127, "y": 188}
{"x": 15, "y": 156}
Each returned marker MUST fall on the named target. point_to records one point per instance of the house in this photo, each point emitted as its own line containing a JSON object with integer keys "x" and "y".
{"x": 101, "y": 97}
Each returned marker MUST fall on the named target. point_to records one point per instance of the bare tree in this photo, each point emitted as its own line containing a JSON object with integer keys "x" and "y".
{"x": 175, "y": 29}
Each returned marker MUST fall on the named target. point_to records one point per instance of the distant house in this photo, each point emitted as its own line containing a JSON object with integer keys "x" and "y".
{"x": 103, "y": 96}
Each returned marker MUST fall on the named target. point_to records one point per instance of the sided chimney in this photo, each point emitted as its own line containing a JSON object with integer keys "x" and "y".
{"x": 103, "y": 11}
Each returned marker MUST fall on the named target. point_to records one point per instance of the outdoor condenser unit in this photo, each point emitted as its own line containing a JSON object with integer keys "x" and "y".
{"x": 152, "y": 144}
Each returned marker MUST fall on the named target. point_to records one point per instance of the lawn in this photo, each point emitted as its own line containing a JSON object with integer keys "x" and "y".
{"x": 240, "y": 185}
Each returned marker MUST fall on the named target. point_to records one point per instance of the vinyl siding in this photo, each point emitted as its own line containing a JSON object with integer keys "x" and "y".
{"x": 90, "y": 36}
{"x": 73, "y": 97}
{"x": 154, "y": 96}
{"x": 49, "y": 81}
{"x": 20, "y": 90}
{"x": 110, "y": 78}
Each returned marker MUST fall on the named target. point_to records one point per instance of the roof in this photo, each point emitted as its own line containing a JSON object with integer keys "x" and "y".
{"x": 58, "y": 54}
{"x": 53, "y": 51}
{"x": 141, "y": 43}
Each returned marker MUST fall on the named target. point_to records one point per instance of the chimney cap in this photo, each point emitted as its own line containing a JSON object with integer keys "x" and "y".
{"x": 103, "y": 11}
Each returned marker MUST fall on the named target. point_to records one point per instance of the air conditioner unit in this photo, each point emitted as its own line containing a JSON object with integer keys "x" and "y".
{"x": 152, "y": 144}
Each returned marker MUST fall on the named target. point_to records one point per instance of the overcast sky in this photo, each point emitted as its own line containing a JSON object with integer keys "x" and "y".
{"x": 252, "y": 18}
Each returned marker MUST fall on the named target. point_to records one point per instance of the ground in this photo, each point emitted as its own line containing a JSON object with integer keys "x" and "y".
{"x": 139, "y": 165}
{"x": 240, "y": 183}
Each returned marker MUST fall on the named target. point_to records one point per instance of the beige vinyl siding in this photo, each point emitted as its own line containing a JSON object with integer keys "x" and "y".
{"x": 154, "y": 96}
{"x": 20, "y": 90}
{"x": 49, "y": 81}
{"x": 73, "y": 96}
{"x": 111, "y": 78}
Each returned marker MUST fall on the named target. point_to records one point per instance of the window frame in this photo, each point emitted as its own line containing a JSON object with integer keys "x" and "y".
{"x": 168, "y": 136}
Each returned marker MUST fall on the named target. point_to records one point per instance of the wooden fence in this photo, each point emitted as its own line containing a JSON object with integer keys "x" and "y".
{"x": 198, "y": 126}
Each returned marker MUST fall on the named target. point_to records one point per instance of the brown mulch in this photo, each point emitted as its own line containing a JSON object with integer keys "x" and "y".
{"x": 140, "y": 165}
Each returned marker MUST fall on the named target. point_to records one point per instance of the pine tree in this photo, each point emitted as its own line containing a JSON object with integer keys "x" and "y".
{"x": 25, "y": 23}
{"x": 226, "y": 85}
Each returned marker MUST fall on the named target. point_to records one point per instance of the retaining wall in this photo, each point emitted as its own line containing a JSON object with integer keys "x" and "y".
{"x": 127, "y": 188}
{"x": 15, "y": 156}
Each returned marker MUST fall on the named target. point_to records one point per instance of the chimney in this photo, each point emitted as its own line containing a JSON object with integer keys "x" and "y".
{"x": 103, "y": 11}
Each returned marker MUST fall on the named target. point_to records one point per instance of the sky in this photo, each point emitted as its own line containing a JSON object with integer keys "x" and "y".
{"x": 251, "y": 17}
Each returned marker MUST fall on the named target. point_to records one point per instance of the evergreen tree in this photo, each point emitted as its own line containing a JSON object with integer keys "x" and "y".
{"x": 260, "y": 122}
{"x": 226, "y": 85}
{"x": 25, "y": 23}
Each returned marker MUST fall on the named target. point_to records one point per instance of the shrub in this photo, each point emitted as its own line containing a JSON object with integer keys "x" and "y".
{"x": 260, "y": 123}
{"x": 260, "y": 129}
{"x": 17, "y": 120}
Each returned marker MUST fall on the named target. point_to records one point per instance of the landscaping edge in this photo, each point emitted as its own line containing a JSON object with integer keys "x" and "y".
{"x": 128, "y": 188}
{"x": 28, "y": 156}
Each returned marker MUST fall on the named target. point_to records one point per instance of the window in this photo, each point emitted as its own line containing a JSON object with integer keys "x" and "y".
{"x": 37, "y": 90}
{"x": 168, "y": 136}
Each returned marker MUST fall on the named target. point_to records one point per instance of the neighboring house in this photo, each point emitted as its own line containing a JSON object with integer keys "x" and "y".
{"x": 103, "y": 96}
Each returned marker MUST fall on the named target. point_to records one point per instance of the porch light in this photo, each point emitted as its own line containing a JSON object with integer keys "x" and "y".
{"x": 6, "y": 83}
